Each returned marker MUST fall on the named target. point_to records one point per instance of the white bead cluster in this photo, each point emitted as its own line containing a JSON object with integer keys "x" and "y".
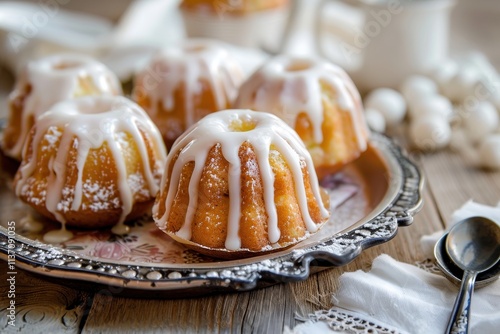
{"x": 389, "y": 104}
{"x": 457, "y": 105}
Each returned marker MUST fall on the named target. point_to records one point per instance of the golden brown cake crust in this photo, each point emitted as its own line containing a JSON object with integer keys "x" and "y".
{"x": 209, "y": 226}
{"x": 49, "y": 80}
{"x": 232, "y": 7}
{"x": 92, "y": 179}
{"x": 102, "y": 177}
{"x": 240, "y": 182}
{"x": 172, "y": 122}
{"x": 317, "y": 99}
{"x": 183, "y": 83}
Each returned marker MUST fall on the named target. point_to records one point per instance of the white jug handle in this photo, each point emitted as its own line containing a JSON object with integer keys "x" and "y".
{"x": 338, "y": 29}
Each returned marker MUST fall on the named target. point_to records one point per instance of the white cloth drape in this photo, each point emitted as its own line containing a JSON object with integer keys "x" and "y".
{"x": 396, "y": 297}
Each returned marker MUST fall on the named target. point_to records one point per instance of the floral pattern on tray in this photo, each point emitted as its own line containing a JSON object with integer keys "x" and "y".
{"x": 144, "y": 243}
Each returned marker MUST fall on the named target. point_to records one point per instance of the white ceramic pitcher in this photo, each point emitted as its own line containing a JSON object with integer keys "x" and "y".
{"x": 381, "y": 42}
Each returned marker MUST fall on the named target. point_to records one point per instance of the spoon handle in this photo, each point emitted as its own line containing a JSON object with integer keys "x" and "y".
{"x": 459, "y": 319}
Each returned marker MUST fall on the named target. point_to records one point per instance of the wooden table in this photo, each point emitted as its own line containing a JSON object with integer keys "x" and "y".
{"x": 52, "y": 308}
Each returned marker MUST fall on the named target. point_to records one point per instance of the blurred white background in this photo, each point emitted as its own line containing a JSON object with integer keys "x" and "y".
{"x": 475, "y": 25}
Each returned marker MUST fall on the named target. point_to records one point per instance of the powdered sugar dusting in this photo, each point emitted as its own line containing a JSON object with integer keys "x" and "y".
{"x": 76, "y": 133}
{"x": 100, "y": 197}
{"x": 68, "y": 194}
{"x": 137, "y": 184}
{"x": 52, "y": 137}
{"x": 35, "y": 193}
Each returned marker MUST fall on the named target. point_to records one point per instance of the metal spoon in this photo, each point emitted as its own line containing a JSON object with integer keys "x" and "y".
{"x": 473, "y": 244}
{"x": 454, "y": 273}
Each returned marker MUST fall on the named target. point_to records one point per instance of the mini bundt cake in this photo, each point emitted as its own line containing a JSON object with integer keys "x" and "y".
{"x": 182, "y": 84}
{"x": 238, "y": 183}
{"x": 318, "y": 100}
{"x": 92, "y": 162}
{"x": 47, "y": 81}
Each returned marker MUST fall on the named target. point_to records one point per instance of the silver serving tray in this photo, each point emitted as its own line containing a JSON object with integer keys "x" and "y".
{"x": 402, "y": 198}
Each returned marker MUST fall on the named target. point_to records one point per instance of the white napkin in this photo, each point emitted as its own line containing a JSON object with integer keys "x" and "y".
{"x": 396, "y": 297}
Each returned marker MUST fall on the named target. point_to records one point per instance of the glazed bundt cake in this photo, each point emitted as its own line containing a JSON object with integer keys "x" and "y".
{"x": 92, "y": 162}
{"x": 318, "y": 100}
{"x": 47, "y": 81}
{"x": 237, "y": 183}
{"x": 182, "y": 84}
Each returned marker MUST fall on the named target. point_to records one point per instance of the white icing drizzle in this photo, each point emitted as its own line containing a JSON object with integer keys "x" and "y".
{"x": 186, "y": 66}
{"x": 215, "y": 128}
{"x": 57, "y": 78}
{"x": 287, "y": 86}
{"x": 93, "y": 121}
{"x": 58, "y": 236}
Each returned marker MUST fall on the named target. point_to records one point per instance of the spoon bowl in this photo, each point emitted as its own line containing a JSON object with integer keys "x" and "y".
{"x": 473, "y": 245}
{"x": 454, "y": 273}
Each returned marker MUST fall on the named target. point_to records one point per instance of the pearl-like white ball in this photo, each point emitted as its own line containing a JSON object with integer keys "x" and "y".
{"x": 480, "y": 121}
{"x": 433, "y": 105}
{"x": 417, "y": 87}
{"x": 389, "y": 103}
{"x": 375, "y": 120}
{"x": 430, "y": 133}
{"x": 444, "y": 72}
{"x": 489, "y": 152}
{"x": 462, "y": 85}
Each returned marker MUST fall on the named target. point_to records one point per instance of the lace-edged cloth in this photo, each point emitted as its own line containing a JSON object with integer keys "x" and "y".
{"x": 412, "y": 298}
{"x": 345, "y": 321}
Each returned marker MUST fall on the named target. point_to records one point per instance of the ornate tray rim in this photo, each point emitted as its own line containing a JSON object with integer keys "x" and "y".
{"x": 402, "y": 200}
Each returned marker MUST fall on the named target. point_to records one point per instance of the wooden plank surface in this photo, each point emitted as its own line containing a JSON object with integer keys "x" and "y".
{"x": 42, "y": 307}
